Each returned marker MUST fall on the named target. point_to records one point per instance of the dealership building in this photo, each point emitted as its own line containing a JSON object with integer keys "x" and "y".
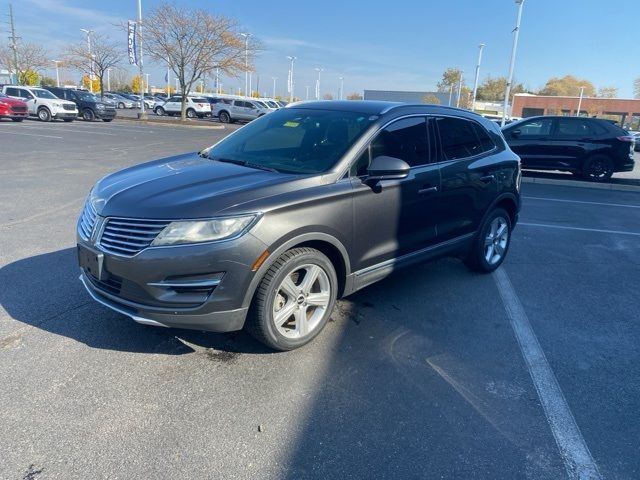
{"x": 624, "y": 111}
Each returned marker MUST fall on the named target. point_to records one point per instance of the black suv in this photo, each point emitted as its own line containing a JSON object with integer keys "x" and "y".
{"x": 590, "y": 147}
{"x": 302, "y": 206}
{"x": 90, "y": 107}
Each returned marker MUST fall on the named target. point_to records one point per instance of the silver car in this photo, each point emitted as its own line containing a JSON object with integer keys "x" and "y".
{"x": 119, "y": 100}
{"x": 240, "y": 110}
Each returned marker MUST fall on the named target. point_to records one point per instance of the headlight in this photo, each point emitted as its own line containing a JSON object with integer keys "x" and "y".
{"x": 180, "y": 233}
{"x": 100, "y": 106}
{"x": 57, "y": 105}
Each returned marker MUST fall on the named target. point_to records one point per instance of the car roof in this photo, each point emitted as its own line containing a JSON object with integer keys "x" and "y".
{"x": 375, "y": 107}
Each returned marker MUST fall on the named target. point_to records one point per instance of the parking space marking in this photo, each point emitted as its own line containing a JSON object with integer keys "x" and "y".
{"x": 582, "y": 202}
{"x": 580, "y": 229}
{"x": 575, "y": 453}
{"x": 30, "y": 134}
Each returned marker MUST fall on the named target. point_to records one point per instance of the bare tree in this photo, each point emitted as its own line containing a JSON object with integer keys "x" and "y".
{"x": 194, "y": 43}
{"x": 105, "y": 54}
{"x": 31, "y": 58}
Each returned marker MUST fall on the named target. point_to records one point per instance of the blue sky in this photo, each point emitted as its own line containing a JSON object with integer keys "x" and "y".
{"x": 401, "y": 45}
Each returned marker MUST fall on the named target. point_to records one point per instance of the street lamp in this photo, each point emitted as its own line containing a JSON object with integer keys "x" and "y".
{"x": 307, "y": 87}
{"x": 341, "y": 87}
{"x": 246, "y": 61}
{"x": 89, "y": 32}
{"x": 274, "y": 86}
{"x": 291, "y": 82}
{"x": 475, "y": 83}
{"x": 319, "y": 70}
{"x": 516, "y": 32}
{"x": 57, "y": 74}
{"x": 459, "y": 89}
{"x": 146, "y": 85}
{"x": 580, "y": 101}
{"x": 109, "y": 79}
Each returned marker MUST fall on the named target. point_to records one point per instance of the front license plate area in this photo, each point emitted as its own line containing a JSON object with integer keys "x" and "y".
{"x": 92, "y": 262}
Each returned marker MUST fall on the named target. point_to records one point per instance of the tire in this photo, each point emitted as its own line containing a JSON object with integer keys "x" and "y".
{"x": 276, "y": 318}
{"x": 598, "y": 168}
{"x": 44, "y": 114}
{"x": 159, "y": 111}
{"x": 88, "y": 115}
{"x": 17, "y": 119}
{"x": 191, "y": 113}
{"x": 107, "y": 120}
{"x": 224, "y": 117}
{"x": 490, "y": 247}
{"x": 68, "y": 120}
{"x": 121, "y": 105}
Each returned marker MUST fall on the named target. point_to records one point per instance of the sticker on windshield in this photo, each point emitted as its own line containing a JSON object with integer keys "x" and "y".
{"x": 291, "y": 124}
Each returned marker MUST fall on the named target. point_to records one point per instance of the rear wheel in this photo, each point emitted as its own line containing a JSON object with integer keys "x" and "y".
{"x": 159, "y": 111}
{"x": 294, "y": 299}
{"x": 598, "y": 168}
{"x": 88, "y": 115}
{"x": 191, "y": 113}
{"x": 224, "y": 117}
{"x": 491, "y": 244}
{"x": 44, "y": 114}
{"x": 121, "y": 105}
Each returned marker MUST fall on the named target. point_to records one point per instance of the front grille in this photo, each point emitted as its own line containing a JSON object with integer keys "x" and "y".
{"x": 87, "y": 220}
{"x": 66, "y": 106}
{"x": 19, "y": 108}
{"x": 111, "y": 285}
{"x": 129, "y": 236}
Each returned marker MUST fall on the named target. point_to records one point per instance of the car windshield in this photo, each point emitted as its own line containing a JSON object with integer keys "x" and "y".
{"x": 88, "y": 97}
{"x": 294, "y": 140}
{"x": 43, "y": 93}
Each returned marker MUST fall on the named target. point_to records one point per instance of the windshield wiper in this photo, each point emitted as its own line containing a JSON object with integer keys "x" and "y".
{"x": 246, "y": 164}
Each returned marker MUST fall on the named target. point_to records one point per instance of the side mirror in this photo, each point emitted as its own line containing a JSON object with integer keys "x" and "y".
{"x": 387, "y": 168}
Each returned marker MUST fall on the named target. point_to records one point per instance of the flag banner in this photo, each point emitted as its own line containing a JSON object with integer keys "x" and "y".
{"x": 133, "y": 51}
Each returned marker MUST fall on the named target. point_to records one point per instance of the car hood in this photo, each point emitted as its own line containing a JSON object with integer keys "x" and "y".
{"x": 185, "y": 186}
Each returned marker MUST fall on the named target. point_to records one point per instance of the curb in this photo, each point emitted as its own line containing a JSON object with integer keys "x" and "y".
{"x": 621, "y": 187}
{"x": 171, "y": 124}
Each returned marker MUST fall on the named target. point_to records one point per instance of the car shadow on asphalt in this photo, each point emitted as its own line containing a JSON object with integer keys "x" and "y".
{"x": 616, "y": 180}
{"x": 44, "y": 291}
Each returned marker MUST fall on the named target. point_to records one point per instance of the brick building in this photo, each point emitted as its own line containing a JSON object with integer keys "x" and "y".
{"x": 624, "y": 111}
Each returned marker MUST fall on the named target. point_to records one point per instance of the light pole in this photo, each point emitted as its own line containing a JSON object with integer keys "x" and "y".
{"x": 291, "y": 82}
{"x": 341, "y": 87}
{"x": 146, "y": 85}
{"x": 142, "y": 113}
{"x": 450, "y": 93}
{"x": 319, "y": 70}
{"x": 218, "y": 80}
{"x": 246, "y": 61}
{"x": 307, "y": 87}
{"x": 109, "y": 79}
{"x": 274, "y": 86}
{"x": 57, "y": 74}
{"x": 580, "y": 101}
{"x": 475, "y": 83}
{"x": 89, "y": 32}
{"x": 516, "y": 32}
{"x": 250, "y": 94}
{"x": 459, "y": 90}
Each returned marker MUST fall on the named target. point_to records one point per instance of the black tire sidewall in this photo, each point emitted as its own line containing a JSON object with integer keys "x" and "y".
{"x": 592, "y": 160}
{"x": 276, "y": 339}
{"x": 48, "y": 114}
{"x": 224, "y": 117}
{"x": 88, "y": 115}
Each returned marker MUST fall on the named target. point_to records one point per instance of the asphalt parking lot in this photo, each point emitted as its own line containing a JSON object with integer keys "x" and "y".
{"x": 435, "y": 372}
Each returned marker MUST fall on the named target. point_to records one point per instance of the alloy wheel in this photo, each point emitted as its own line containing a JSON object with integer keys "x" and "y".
{"x": 301, "y": 301}
{"x": 495, "y": 242}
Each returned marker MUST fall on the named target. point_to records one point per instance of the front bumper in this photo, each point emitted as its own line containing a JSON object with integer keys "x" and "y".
{"x": 144, "y": 287}
{"x": 65, "y": 114}
{"x": 102, "y": 114}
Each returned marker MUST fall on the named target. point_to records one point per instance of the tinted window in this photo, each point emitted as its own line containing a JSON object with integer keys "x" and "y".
{"x": 294, "y": 140}
{"x": 12, "y": 92}
{"x": 535, "y": 128}
{"x": 405, "y": 139}
{"x": 573, "y": 127}
{"x": 458, "y": 138}
{"x": 24, "y": 93}
{"x": 199, "y": 100}
{"x": 485, "y": 140}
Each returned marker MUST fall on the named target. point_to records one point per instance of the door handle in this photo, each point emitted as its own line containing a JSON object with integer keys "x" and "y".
{"x": 488, "y": 178}
{"x": 427, "y": 190}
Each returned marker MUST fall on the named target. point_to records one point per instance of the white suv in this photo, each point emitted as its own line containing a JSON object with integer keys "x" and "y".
{"x": 196, "y": 107}
{"x": 42, "y": 103}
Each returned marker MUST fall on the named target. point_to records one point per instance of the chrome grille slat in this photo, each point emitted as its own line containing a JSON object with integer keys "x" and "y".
{"x": 87, "y": 220}
{"x": 129, "y": 236}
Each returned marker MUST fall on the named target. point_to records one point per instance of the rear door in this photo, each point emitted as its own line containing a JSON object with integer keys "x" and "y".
{"x": 572, "y": 141}
{"x": 469, "y": 179}
{"x": 395, "y": 217}
{"x": 532, "y": 141}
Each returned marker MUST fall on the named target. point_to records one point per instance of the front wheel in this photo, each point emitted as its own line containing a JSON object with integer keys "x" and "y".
{"x": 88, "y": 115}
{"x": 294, "y": 299}
{"x": 491, "y": 244}
{"x": 159, "y": 111}
{"x": 598, "y": 168}
{"x": 44, "y": 114}
{"x": 224, "y": 117}
{"x": 121, "y": 105}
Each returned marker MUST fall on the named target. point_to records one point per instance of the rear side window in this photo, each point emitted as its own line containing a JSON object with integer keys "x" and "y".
{"x": 535, "y": 128}
{"x": 200, "y": 100}
{"x": 12, "y": 92}
{"x": 459, "y": 139}
{"x": 573, "y": 127}
{"x": 405, "y": 139}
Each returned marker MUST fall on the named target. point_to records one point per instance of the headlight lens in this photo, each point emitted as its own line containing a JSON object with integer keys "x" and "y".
{"x": 181, "y": 233}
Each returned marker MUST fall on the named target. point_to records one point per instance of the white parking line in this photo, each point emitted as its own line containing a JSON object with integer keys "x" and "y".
{"x": 580, "y": 229}
{"x": 575, "y": 453}
{"x": 30, "y": 134}
{"x": 582, "y": 202}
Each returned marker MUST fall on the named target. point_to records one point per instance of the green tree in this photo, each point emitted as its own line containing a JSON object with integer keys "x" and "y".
{"x": 432, "y": 99}
{"x": 492, "y": 89}
{"x": 354, "y": 96}
{"x": 450, "y": 77}
{"x": 47, "y": 81}
{"x": 136, "y": 84}
{"x": 29, "y": 77}
{"x": 608, "y": 92}
{"x": 568, "y": 86}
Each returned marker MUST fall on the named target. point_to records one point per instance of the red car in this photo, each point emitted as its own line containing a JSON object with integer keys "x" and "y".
{"x": 13, "y": 108}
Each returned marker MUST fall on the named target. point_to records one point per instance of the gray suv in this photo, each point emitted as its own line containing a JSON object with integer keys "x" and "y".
{"x": 268, "y": 227}
{"x": 235, "y": 110}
